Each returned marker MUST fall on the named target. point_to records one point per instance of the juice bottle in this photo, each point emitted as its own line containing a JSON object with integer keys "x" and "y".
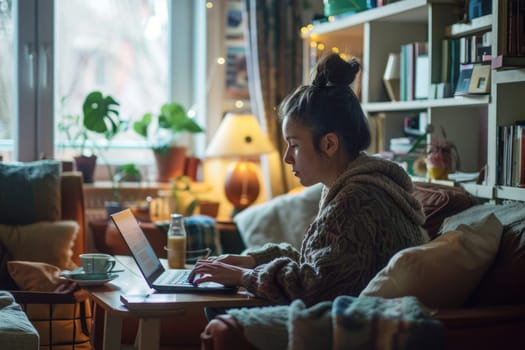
{"x": 176, "y": 244}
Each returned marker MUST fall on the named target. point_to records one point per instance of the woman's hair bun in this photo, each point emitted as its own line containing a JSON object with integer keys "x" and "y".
{"x": 335, "y": 71}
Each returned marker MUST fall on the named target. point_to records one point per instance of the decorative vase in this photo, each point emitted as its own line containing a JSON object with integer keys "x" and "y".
{"x": 392, "y": 76}
{"x": 86, "y": 165}
{"x": 170, "y": 164}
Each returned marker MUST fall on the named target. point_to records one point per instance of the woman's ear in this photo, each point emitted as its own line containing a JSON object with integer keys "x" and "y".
{"x": 330, "y": 144}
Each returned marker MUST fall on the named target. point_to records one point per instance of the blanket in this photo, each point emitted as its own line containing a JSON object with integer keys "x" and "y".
{"x": 345, "y": 323}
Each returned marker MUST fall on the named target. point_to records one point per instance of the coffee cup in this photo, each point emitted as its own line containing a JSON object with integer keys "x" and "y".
{"x": 97, "y": 262}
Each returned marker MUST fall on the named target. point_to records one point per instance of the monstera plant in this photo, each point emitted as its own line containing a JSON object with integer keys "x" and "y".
{"x": 100, "y": 115}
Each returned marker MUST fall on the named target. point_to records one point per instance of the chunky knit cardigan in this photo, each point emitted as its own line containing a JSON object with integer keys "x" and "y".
{"x": 364, "y": 218}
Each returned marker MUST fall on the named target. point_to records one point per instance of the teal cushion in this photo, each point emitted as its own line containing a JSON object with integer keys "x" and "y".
{"x": 30, "y": 192}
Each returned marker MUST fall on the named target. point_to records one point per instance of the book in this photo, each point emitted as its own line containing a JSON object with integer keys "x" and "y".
{"x": 421, "y": 71}
{"x": 508, "y": 62}
{"x": 463, "y": 84}
{"x": 454, "y": 63}
{"x": 445, "y": 60}
{"x": 520, "y": 155}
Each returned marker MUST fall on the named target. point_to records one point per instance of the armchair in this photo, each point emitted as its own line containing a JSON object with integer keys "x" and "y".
{"x": 59, "y": 317}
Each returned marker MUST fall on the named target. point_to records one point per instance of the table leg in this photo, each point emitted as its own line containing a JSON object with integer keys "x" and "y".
{"x": 148, "y": 334}
{"x": 112, "y": 331}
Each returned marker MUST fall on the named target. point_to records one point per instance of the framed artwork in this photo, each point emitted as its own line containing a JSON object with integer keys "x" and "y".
{"x": 480, "y": 79}
{"x": 236, "y": 72}
{"x": 234, "y": 20}
{"x": 463, "y": 84}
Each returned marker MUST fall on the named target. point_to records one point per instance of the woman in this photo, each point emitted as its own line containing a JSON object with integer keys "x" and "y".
{"x": 366, "y": 213}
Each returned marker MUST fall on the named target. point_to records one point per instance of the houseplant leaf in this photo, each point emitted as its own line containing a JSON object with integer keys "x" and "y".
{"x": 141, "y": 126}
{"x": 100, "y": 114}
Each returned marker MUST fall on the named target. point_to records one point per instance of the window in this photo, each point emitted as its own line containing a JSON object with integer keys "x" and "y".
{"x": 119, "y": 47}
{"x": 6, "y": 89}
{"x": 142, "y": 52}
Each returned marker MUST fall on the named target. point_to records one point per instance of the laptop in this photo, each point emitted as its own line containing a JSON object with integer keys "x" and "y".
{"x": 157, "y": 277}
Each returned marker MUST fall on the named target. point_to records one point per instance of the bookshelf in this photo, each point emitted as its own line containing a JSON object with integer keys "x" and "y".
{"x": 471, "y": 121}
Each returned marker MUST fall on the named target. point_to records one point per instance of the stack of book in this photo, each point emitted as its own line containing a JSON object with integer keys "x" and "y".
{"x": 511, "y": 41}
{"x": 511, "y": 154}
{"x": 415, "y": 71}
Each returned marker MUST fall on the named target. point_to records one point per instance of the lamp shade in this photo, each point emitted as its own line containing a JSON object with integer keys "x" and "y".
{"x": 238, "y": 135}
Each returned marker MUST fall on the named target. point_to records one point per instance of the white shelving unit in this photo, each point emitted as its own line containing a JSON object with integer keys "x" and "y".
{"x": 471, "y": 121}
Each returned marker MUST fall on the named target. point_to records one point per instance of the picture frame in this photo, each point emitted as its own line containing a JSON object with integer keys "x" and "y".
{"x": 236, "y": 72}
{"x": 234, "y": 20}
{"x": 480, "y": 79}
{"x": 463, "y": 84}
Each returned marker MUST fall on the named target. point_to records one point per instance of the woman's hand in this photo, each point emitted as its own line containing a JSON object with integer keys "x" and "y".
{"x": 216, "y": 271}
{"x": 246, "y": 261}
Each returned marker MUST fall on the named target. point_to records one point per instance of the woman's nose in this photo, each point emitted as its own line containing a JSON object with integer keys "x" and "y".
{"x": 287, "y": 158}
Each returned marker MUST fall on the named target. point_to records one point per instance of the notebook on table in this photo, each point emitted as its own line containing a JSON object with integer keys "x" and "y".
{"x": 157, "y": 277}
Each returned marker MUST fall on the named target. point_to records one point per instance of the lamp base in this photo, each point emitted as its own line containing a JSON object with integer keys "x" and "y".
{"x": 241, "y": 185}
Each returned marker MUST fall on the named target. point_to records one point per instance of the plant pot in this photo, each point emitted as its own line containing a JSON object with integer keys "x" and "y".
{"x": 86, "y": 165}
{"x": 170, "y": 164}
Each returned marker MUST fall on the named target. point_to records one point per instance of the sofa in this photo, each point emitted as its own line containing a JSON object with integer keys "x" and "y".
{"x": 42, "y": 231}
{"x": 469, "y": 277}
{"x": 16, "y": 331}
{"x": 488, "y": 315}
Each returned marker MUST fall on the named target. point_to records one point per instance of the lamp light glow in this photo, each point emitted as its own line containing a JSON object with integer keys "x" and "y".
{"x": 240, "y": 136}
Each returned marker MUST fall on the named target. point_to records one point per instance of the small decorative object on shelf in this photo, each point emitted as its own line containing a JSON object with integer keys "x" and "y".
{"x": 442, "y": 156}
{"x": 391, "y": 77}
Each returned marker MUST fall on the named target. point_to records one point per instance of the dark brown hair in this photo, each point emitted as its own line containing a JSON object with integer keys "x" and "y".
{"x": 328, "y": 104}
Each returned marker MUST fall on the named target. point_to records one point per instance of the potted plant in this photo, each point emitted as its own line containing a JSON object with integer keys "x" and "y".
{"x": 99, "y": 115}
{"x": 162, "y": 131}
{"x": 442, "y": 157}
{"x": 127, "y": 172}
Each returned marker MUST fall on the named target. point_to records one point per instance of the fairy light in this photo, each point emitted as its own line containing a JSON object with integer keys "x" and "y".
{"x": 320, "y": 46}
{"x": 209, "y": 5}
{"x": 239, "y": 104}
{"x": 221, "y": 60}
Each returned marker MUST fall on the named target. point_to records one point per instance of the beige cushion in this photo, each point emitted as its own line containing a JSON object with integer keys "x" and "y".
{"x": 35, "y": 276}
{"x": 443, "y": 272}
{"x": 49, "y": 242}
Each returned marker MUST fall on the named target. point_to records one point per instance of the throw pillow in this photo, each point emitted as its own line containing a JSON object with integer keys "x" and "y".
{"x": 504, "y": 283}
{"x": 49, "y": 242}
{"x": 35, "y": 276}
{"x": 285, "y": 218}
{"x": 441, "y": 273}
{"x": 30, "y": 192}
{"x": 440, "y": 202}
{"x": 63, "y": 324}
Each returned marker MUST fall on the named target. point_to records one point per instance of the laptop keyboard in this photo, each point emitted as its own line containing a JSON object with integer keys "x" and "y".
{"x": 175, "y": 277}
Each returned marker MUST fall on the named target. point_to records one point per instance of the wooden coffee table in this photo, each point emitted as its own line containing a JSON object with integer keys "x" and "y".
{"x": 154, "y": 307}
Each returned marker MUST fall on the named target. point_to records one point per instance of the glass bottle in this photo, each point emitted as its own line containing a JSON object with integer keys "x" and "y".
{"x": 176, "y": 243}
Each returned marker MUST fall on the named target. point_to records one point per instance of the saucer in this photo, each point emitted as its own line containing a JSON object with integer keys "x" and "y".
{"x": 91, "y": 279}
{"x": 88, "y": 279}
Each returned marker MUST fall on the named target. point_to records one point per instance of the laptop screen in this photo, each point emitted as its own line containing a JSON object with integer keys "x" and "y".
{"x": 138, "y": 244}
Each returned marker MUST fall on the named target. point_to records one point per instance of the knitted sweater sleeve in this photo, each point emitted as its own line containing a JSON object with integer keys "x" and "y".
{"x": 271, "y": 251}
{"x": 333, "y": 261}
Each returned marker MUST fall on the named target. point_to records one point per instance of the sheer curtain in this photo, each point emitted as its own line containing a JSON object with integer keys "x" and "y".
{"x": 274, "y": 62}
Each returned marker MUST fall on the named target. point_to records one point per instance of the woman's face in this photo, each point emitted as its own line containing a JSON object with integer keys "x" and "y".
{"x": 306, "y": 161}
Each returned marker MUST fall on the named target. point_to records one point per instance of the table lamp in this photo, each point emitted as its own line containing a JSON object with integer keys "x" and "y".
{"x": 240, "y": 136}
